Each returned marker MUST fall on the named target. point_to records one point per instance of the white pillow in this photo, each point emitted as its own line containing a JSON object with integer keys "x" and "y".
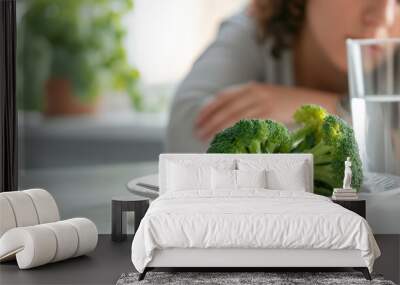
{"x": 188, "y": 177}
{"x": 223, "y": 179}
{"x": 295, "y": 181}
{"x": 282, "y": 174}
{"x": 226, "y": 179}
{"x": 251, "y": 178}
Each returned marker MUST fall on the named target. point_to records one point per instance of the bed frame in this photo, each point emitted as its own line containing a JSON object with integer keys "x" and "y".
{"x": 250, "y": 259}
{"x": 242, "y": 259}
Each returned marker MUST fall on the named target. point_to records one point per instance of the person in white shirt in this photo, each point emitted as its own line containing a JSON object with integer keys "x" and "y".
{"x": 269, "y": 60}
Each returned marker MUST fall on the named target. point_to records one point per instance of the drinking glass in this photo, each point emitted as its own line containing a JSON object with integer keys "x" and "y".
{"x": 374, "y": 80}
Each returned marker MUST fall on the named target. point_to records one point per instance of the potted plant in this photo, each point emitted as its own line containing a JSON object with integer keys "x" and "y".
{"x": 69, "y": 52}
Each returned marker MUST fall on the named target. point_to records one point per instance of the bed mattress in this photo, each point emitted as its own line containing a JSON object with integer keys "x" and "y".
{"x": 252, "y": 218}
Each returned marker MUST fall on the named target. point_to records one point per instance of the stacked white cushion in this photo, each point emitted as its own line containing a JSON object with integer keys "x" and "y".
{"x": 87, "y": 235}
{"x": 31, "y": 246}
{"x": 45, "y": 205}
{"x": 23, "y": 208}
{"x": 27, "y": 208}
{"x": 66, "y": 236}
{"x": 31, "y": 232}
{"x": 7, "y": 220}
{"x": 46, "y": 243}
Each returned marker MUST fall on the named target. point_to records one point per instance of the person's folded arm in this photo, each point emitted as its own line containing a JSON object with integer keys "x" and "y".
{"x": 258, "y": 100}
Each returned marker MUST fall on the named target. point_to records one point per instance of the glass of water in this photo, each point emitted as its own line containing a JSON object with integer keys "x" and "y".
{"x": 374, "y": 79}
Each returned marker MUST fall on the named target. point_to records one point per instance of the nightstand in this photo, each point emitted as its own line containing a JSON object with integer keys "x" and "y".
{"x": 121, "y": 205}
{"x": 357, "y": 206}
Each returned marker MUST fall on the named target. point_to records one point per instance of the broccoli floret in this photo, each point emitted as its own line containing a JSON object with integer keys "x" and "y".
{"x": 223, "y": 143}
{"x": 311, "y": 118}
{"x": 334, "y": 142}
{"x": 279, "y": 140}
{"x": 252, "y": 136}
{"x": 310, "y": 115}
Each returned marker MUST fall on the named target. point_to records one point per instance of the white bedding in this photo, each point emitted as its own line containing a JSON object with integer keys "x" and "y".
{"x": 250, "y": 219}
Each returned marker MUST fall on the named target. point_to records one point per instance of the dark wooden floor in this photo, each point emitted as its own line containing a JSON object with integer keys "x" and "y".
{"x": 389, "y": 262}
{"x": 110, "y": 260}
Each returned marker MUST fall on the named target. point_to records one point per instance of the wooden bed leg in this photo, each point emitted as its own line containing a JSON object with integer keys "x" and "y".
{"x": 143, "y": 274}
{"x": 364, "y": 271}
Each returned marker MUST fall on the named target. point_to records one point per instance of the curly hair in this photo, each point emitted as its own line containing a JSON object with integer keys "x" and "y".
{"x": 279, "y": 20}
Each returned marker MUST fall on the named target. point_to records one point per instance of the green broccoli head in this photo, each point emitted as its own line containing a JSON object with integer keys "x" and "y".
{"x": 337, "y": 142}
{"x": 330, "y": 139}
{"x": 252, "y": 136}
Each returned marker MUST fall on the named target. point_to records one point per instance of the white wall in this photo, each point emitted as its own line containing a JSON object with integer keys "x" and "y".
{"x": 165, "y": 37}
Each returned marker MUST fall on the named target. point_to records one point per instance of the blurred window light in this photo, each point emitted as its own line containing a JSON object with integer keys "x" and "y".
{"x": 165, "y": 37}
{"x": 130, "y": 59}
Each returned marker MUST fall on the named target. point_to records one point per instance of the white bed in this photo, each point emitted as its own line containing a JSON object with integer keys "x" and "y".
{"x": 250, "y": 227}
{"x": 383, "y": 209}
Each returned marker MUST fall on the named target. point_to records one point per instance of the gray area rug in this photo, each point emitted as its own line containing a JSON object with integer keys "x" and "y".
{"x": 268, "y": 278}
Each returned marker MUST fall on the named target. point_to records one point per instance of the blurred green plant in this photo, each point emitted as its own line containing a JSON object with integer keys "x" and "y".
{"x": 77, "y": 40}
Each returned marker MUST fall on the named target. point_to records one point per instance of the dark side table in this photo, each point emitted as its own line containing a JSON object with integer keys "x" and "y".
{"x": 357, "y": 206}
{"x": 121, "y": 205}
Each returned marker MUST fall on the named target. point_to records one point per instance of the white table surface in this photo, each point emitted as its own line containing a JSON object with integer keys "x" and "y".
{"x": 151, "y": 179}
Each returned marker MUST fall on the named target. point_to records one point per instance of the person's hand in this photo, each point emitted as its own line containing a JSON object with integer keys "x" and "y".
{"x": 255, "y": 100}
{"x": 252, "y": 100}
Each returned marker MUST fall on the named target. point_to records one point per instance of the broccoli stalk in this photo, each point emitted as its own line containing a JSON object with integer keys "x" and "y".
{"x": 323, "y": 173}
{"x": 254, "y": 147}
{"x": 322, "y": 153}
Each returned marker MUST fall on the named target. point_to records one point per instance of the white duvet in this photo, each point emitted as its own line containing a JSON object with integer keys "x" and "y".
{"x": 250, "y": 219}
